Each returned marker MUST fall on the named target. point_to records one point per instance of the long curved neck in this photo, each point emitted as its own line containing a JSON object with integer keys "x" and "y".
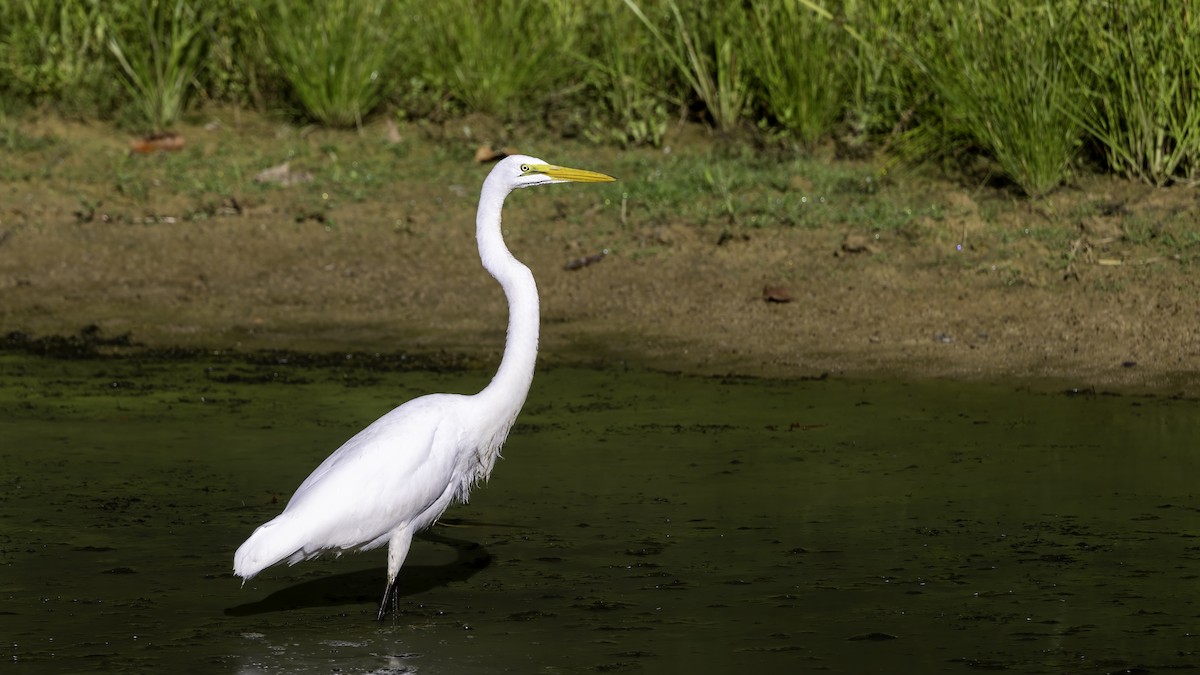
{"x": 511, "y": 383}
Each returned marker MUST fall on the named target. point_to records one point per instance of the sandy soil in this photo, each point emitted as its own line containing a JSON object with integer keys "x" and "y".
{"x": 1106, "y": 310}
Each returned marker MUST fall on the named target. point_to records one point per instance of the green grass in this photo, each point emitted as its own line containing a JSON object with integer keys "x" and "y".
{"x": 706, "y": 43}
{"x": 14, "y": 140}
{"x": 624, "y": 78}
{"x": 160, "y": 69}
{"x": 1143, "y": 106}
{"x": 745, "y": 191}
{"x": 801, "y": 65}
{"x": 1002, "y": 83}
{"x": 336, "y": 55}
{"x": 707, "y": 192}
{"x": 510, "y": 58}
{"x": 54, "y": 51}
{"x": 1027, "y": 84}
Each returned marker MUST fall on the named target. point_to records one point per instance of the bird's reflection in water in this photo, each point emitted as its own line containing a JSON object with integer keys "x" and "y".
{"x": 362, "y": 586}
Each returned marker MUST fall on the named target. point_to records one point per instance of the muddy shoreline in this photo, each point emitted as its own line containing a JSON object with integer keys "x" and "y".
{"x": 959, "y": 296}
{"x": 691, "y": 314}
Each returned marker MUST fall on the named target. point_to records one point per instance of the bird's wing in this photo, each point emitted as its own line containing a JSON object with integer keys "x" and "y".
{"x": 389, "y": 473}
{"x": 408, "y": 427}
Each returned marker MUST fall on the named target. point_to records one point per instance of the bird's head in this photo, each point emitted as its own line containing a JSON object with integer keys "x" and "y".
{"x": 521, "y": 171}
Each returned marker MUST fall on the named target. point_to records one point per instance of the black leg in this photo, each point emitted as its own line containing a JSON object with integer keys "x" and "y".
{"x": 389, "y": 592}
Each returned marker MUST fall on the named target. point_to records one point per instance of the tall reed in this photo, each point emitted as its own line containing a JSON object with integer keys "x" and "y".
{"x": 1142, "y": 69}
{"x": 161, "y": 59}
{"x": 706, "y": 42}
{"x": 801, "y": 64}
{"x": 504, "y": 57}
{"x": 885, "y": 89}
{"x": 335, "y": 55}
{"x": 1021, "y": 81}
{"x": 55, "y": 51}
{"x": 630, "y": 90}
{"x": 241, "y": 69}
{"x": 1002, "y": 79}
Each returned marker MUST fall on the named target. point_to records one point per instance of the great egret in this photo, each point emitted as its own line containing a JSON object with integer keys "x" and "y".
{"x": 398, "y": 475}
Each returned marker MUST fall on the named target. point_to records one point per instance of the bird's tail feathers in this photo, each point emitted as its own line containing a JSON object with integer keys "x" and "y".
{"x": 271, "y": 543}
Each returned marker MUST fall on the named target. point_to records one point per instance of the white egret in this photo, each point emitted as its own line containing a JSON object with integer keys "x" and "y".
{"x": 398, "y": 475}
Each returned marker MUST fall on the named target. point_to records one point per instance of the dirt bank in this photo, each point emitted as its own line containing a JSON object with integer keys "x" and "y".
{"x": 1107, "y": 301}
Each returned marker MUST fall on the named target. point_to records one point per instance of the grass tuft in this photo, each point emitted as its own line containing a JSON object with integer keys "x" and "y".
{"x": 706, "y": 45}
{"x": 800, "y": 63}
{"x": 334, "y": 54}
{"x": 510, "y": 58}
{"x": 1002, "y": 82}
{"x": 161, "y": 59}
{"x": 1024, "y": 83}
{"x": 625, "y": 76}
{"x": 1141, "y": 67}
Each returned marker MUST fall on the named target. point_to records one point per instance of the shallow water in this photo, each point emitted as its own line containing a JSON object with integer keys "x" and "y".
{"x": 638, "y": 521}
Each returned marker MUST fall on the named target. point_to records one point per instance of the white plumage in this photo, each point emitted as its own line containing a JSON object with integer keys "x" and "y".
{"x": 398, "y": 475}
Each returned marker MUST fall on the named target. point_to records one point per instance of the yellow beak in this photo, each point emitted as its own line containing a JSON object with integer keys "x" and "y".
{"x": 572, "y": 175}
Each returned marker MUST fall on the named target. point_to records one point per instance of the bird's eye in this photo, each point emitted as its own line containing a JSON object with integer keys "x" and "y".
{"x": 525, "y": 168}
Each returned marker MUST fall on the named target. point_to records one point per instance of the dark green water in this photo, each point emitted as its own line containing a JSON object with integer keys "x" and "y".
{"x": 639, "y": 522}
